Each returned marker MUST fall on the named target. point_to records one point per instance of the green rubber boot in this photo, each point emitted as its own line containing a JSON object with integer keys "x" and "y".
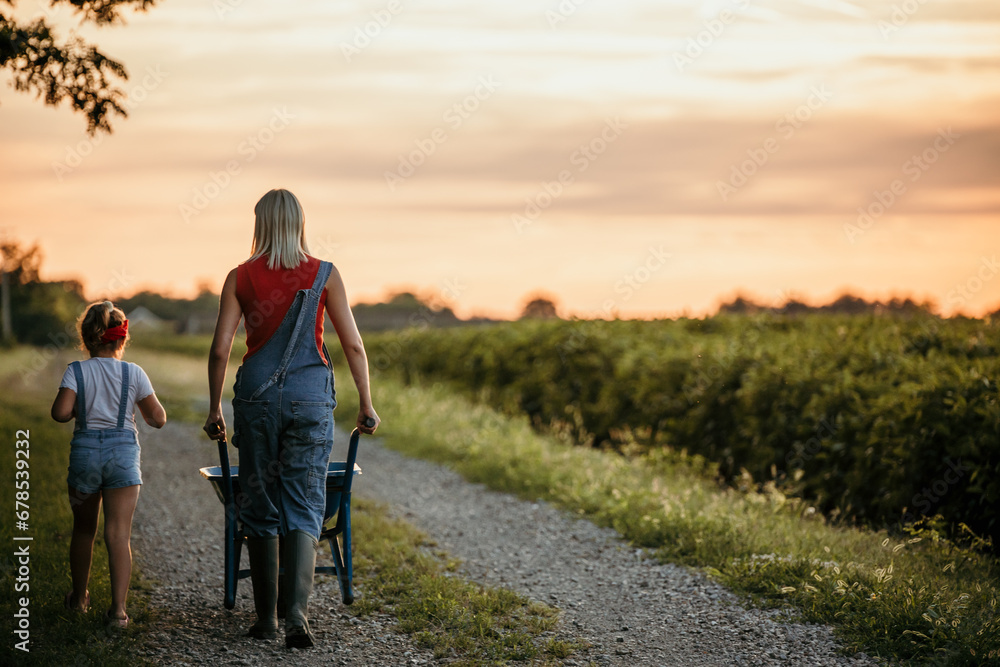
{"x": 300, "y": 566}
{"x": 263, "y": 553}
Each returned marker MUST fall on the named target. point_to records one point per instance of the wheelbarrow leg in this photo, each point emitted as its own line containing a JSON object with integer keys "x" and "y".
{"x": 233, "y": 548}
{"x": 341, "y": 551}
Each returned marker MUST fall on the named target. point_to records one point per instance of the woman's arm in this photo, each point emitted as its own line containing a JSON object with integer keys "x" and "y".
{"x": 218, "y": 358}
{"x": 354, "y": 348}
{"x": 152, "y": 411}
{"x": 64, "y": 407}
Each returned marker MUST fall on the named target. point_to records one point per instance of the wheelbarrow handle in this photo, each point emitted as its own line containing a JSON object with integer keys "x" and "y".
{"x": 215, "y": 430}
{"x": 227, "y": 478}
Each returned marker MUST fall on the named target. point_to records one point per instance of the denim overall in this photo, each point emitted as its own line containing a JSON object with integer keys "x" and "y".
{"x": 283, "y": 423}
{"x": 102, "y": 458}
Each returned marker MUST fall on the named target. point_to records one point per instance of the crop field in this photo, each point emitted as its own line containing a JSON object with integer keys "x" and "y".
{"x": 883, "y": 420}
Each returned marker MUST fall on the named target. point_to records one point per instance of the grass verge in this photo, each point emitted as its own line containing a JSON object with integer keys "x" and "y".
{"x": 400, "y": 574}
{"x": 57, "y": 636}
{"x": 918, "y": 598}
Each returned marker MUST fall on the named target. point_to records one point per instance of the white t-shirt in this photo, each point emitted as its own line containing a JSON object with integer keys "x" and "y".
{"x": 102, "y": 388}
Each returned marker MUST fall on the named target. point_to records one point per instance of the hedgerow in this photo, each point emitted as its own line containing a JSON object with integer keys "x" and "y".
{"x": 881, "y": 419}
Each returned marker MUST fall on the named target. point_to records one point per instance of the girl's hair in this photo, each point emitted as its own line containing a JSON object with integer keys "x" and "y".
{"x": 279, "y": 231}
{"x": 98, "y": 318}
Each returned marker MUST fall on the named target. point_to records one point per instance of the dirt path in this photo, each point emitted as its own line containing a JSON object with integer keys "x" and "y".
{"x": 177, "y": 535}
{"x": 631, "y": 610}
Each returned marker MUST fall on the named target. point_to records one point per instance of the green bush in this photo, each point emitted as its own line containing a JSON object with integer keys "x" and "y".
{"x": 882, "y": 419}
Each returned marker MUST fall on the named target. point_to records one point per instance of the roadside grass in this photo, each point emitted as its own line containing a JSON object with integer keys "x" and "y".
{"x": 913, "y": 598}
{"x": 57, "y": 636}
{"x": 399, "y": 573}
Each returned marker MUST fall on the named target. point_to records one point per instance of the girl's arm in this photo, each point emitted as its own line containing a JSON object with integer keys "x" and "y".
{"x": 354, "y": 349}
{"x": 152, "y": 411}
{"x": 218, "y": 358}
{"x": 64, "y": 407}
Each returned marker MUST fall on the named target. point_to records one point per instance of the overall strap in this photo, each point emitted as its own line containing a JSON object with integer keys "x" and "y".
{"x": 309, "y": 306}
{"x": 81, "y": 401}
{"x": 123, "y": 404}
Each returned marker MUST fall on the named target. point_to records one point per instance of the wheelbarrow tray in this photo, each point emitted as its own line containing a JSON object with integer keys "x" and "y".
{"x": 334, "y": 483}
{"x": 336, "y": 519}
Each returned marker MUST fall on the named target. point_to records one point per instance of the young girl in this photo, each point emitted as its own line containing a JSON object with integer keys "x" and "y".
{"x": 101, "y": 393}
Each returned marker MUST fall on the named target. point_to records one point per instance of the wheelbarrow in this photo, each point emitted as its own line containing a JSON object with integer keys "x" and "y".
{"x": 336, "y": 530}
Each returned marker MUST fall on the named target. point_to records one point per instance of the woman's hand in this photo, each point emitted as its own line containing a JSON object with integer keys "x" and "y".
{"x": 363, "y": 416}
{"x": 215, "y": 425}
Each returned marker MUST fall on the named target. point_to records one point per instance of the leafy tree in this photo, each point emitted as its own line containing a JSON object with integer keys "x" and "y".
{"x": 38, "y": 312}
{"x": 73, "y": 70}
{"x": 540, "y": 308}
{"x": 741, "y": 306}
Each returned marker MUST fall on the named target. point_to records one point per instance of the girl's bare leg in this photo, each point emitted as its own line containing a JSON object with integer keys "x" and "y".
{"x": 119, "y": 506}
{"x": 86, "y": 510}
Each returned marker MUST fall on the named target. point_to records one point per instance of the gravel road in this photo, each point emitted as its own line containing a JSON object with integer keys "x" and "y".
{"x": 630, "y": 609}
{"x": 177, "y": 536}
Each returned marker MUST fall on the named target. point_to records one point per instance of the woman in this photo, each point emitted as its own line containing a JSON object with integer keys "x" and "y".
{"x": 283, "y": 404}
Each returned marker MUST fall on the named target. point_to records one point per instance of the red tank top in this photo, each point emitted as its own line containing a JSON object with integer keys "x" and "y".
{"x": 265, "y": 295}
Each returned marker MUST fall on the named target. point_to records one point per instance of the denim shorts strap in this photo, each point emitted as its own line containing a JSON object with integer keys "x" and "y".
{"x": 81, "y": 402}
{"x": 123, "y": 404}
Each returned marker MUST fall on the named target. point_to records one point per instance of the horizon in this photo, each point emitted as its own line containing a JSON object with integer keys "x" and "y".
{"x": 429, "y": 300}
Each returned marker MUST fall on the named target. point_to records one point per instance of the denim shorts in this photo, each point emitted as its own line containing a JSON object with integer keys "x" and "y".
{"x": 103, "y": 459}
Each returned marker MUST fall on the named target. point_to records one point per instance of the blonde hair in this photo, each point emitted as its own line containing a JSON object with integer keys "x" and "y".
{"x": 279, "y": 230}
{"x": 98, "y": 318}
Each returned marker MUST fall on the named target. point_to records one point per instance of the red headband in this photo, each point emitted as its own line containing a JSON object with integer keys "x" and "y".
{"x": 114, "y": 333}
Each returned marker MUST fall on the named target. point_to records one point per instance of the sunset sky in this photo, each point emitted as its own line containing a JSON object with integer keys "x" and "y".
{"x": 630, "y": 157}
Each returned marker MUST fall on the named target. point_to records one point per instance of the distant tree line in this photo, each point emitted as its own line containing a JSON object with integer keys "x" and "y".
{"x": 34, "y": 311}
{"x": 38, "y": 312}
{"x": 846, "y": 304}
